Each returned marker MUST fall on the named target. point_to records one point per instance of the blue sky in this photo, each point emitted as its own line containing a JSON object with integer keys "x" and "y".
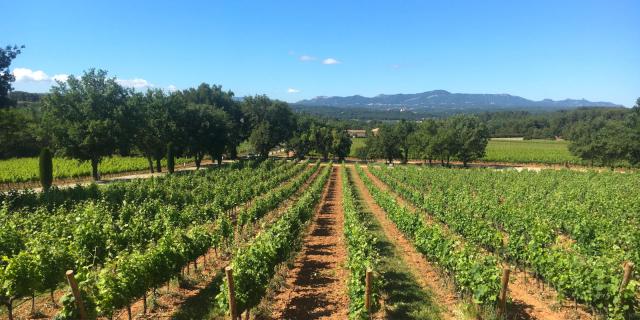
{"x": 293, "y": 50}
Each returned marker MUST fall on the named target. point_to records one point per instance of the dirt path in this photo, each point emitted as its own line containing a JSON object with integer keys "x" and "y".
{"x": 528, "y": 300}
{"x": 425, "y": 274}
{"x": 315, "y": 286}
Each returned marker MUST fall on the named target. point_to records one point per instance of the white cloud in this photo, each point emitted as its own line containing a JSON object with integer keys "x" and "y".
{"x": 136, "y": 83}
{"x": 307, "y": 58}
{"x": 292, "y": 90}
{"x": 172, "y": 88}
{"x": 330, "y": 61}
{"x": 25, "y": 74}
{"x": 60, "y": 77}
{"x": 37, "y": 76}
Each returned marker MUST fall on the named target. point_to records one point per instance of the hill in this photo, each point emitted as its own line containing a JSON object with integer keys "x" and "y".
{"x": 454, "y": 102}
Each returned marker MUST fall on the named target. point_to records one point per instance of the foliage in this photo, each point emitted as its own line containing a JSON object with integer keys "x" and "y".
{"x": 254, "y": 265}
{"x": 6, "y": 77}
{"x": 473, "y": 272}
{"x": 26, "y": 169}
{"x": 85, "y": 117}
{"x": 361, "y": 248}
{"x": 129, "y": 236}
{"x": 19, "y": 131}
{"x": 271, "y": 123}
{"x": 206, "y": 132}
{"x": 524, "y": 217}
{"x": 46, "y": 169}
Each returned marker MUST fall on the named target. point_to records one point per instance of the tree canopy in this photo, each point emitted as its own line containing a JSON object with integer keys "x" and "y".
{"x": 86, "y": 117}
{"x": 6, "y": 77}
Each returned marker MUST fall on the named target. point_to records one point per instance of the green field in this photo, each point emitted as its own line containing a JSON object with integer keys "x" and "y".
{"x": 356, "y": 143}
{"x": 26, "y": 169}
{"x": 514, "y": 150}
{"x": 529, "y": 151}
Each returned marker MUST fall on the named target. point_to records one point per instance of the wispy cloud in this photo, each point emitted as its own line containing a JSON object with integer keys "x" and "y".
{"x": 28, "y": 75}
{"x": 330, "y": 61}
{"x": 172, "y": 88}
{"x": 292, "y": 90}
{"x": 307, "y": 58}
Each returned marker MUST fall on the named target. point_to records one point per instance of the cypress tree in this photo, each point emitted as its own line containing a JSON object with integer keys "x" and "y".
{"x": 46, "y": 169}
{"x": 170, "y": 158}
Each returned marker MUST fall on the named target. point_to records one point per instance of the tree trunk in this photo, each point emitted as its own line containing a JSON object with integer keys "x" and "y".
{"x": 9, "y": 305}
{"x": 325, "y": 156}
{"x": 150, "y": 164}
{"x": 219, "y": 160}
{"x": 94, "y": 169}
{"x": 405, "y": 156}
{"x": 233, "y": 153}
{"x": 53, "y": 300}
{"x": 198, "y": 161}
{"x": 158, "y": 164}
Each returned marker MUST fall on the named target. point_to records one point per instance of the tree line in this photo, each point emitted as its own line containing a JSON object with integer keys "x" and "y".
{"x": 607, "y": 140}
{"x": 92, "y": 116}
{"x": 461, "y": 137}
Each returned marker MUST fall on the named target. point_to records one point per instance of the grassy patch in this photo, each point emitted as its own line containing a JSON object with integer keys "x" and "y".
{"x": 403, "y": 297}
{"x": 356, "y": 143}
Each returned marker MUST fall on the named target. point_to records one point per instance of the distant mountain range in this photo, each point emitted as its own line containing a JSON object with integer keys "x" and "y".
{"x": 441, "y": 99}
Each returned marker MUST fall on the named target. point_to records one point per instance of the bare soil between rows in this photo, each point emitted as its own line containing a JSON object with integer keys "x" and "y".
{"x": 315, "y": 288}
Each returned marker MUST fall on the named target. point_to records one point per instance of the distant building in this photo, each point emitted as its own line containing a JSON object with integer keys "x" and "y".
{"x": 357, "y": 133}
{"x": 375, "y": 131}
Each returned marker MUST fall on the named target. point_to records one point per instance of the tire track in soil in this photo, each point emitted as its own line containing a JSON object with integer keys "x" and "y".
{"x": 315, "y": 286}
{"x": 426, "y": 275}
{"x": 528, "y": 301}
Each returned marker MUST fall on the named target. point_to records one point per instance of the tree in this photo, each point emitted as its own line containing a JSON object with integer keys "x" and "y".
{"x": 445, "y": 144}
{"x": 271, "y": 123}
{"x": 19, "y": 130}
{"x": 213, "y": 95}
{"x": 156, "y": 115}
{"x": 300, "y": 144}
{"x": 403, "y": 131}
{"x": 6, "y": 77}
{"x": 46, "y": 169}
{"x": 301, "y": 141}
{"x": 206, "y": 132}
{"x": 384, "y": 144}
{"x": 634, "y": 139}
{"x": 601, "y": 141}
{"x": 471, "y": 138}
{"x": 322, "y": 140}
{"x": 422, "y": 140}
{"x": 341, "y": 143}
{"x": 84, "y": 117}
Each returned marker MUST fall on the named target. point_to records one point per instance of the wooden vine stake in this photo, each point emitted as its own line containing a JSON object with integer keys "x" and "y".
{"x": 502, "y": 299}
{"x": 628, "y": 270}
{"x": 76, "y": 294}
{"x": 232, "y": 295}
{"x": 367, "y": 291}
